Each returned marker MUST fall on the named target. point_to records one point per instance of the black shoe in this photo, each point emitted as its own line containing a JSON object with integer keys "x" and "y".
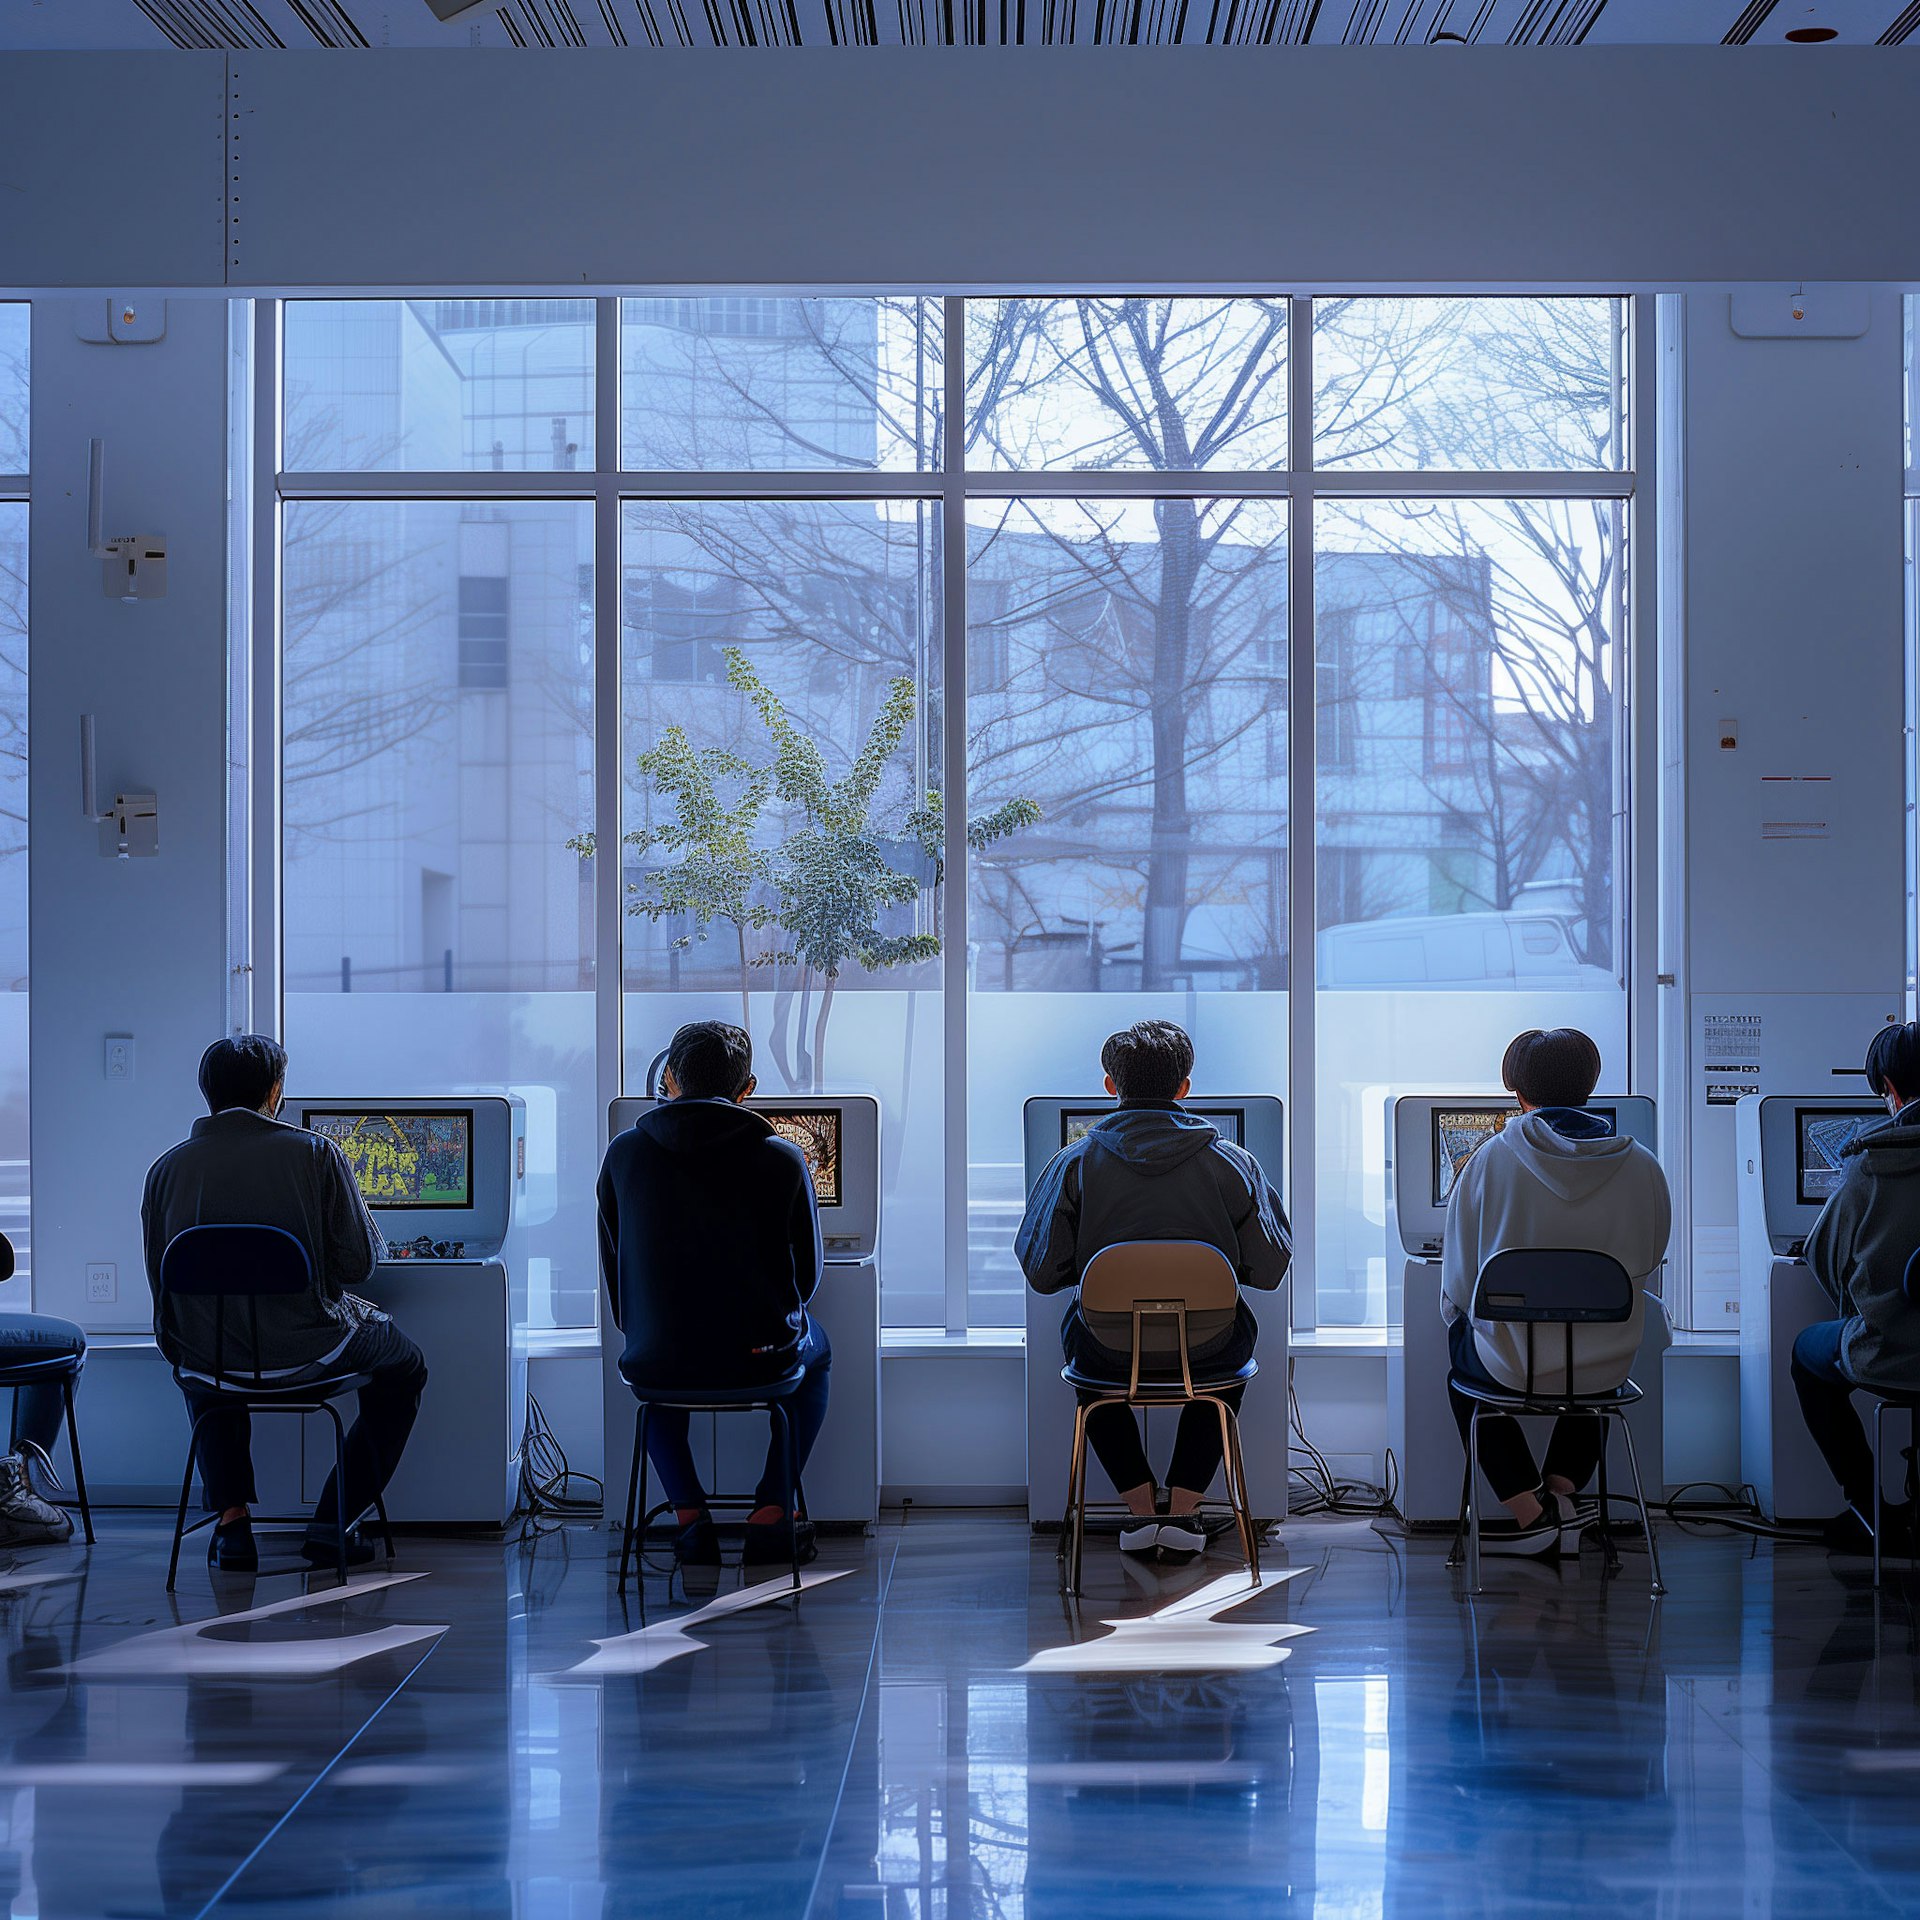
{"x": 232, "y": 1550}
{"x": 780, "y": 1543}
{"x": 322, "y": 1548}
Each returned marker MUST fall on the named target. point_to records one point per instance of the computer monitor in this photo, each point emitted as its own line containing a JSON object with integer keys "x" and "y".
{"x": 404, "y": 1159}
{"x": 1229, "y": 1122}
{"x": 815, "y": 1130}
{"x": 1822, "y": 1136}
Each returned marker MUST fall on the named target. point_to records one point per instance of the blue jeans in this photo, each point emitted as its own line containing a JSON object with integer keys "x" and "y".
{"x": 1826, "y": 1404}
{"x": 38, "y": 1411}
{"x": 806, "y": 1407}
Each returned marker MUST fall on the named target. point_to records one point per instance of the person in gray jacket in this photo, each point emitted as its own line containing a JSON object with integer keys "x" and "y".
{"x": 1858, "y": 1251}
{"x": 242, "y": 1167}
{"x": 1150, "y": 1171}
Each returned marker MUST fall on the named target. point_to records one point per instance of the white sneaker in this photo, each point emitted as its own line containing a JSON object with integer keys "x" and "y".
{"x": 1142, "y": 1537}
{"x": 1574, "y": 1517}
{"x": 1542, "y": 1537}
{"x": 25, "y": 1519}
{"x": 1183, "y": 1535}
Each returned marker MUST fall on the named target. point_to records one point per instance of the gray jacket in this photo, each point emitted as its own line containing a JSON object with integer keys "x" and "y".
{"x": 1151, "y": 1172}
{"x": 1859, "y": 1248}
{"x": 241, "y": 1169}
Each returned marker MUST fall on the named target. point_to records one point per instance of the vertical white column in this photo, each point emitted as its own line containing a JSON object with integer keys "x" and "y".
{"x": 1301, "y": 703}
{"x": 954, "y": 928}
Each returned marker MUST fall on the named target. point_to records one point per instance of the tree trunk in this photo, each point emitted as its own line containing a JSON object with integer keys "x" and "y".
{"x": 802, "y": 1055}
{"x": 746, "y": 995}
{"x": 1168, "y": 847}
{"x": 820, "y": 1036}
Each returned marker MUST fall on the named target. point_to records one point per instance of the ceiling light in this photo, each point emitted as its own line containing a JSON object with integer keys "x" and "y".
{"x": 1812, "y": 36}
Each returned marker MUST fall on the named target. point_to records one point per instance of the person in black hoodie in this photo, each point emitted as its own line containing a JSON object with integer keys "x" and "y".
{"x": 1150, "y": 1171}
{"x": 710, "y": 1248}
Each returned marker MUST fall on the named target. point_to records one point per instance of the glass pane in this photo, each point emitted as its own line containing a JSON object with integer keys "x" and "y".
{"x": 1469, "y": 798}
{"x": 1127, "y": 669}
{"x": 1436, "y": 385}
{"x": 438, "y": 757}
{"x": 1126, "y": 385}
{"x": 748, "y": 383}
{"x": 801, "y": 899}
{"x": 438, "y": 386}
{"x": 14, "y": 318}
{"x": 15, "y": 1294}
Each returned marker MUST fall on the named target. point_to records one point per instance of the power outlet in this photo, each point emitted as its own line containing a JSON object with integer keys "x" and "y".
{"x": 103, "y": 1284}
{"x": 119, "y": 1056}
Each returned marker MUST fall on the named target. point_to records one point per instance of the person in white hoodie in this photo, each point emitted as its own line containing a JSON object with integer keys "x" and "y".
{"x": 1558, "y": 1176}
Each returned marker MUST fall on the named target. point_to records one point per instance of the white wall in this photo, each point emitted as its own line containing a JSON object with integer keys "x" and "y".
{"x": 123, "y": 946}
{"x": 904, "y": 166}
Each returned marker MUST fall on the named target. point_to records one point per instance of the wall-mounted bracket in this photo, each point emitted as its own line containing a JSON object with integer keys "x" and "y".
{"x": 130, "y": 828}
{"x": 134, "y": 564}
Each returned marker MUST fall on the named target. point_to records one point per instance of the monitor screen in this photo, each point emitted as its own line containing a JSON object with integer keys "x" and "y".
{"x": 1822, "y": 1136}
{"x": 1229, "y": 1122}
{"x": 816, "y": 1132}
{"x": 417, "y": 1159}
{"x": 1460, "y": 1132}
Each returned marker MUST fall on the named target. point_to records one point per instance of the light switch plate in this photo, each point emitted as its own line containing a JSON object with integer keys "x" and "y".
{"x": 103, "y": 1283}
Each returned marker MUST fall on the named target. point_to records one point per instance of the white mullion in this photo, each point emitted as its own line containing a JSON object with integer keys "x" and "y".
{"x": 609, "y": 964}
{"x": 1302, "y": 708}
{"x": 1637, "y": 876}
{"x": 954, "y": 791}
{"x": 779, "y": 484}
{"x": 1100, "y": 483}
{"x": 266, "y": 910}
{"x": 566, "y": 485}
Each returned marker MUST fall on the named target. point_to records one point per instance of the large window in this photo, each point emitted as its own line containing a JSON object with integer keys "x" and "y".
{"x": 14, "y": 1219}
{"x": 856, "y": 601}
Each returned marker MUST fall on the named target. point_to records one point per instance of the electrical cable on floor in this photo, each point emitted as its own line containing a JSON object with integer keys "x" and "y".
{"x": 547, "y": 1477}
{"x": 1321, "y": 1490}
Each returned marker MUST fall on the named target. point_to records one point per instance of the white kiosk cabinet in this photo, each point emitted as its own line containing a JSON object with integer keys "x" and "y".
{"x": 1253, "y": 1121}
{"x": 840, "y": 1135}
{"x": 449, "y": 1172}
{"x": 1790, "y": 1158}
{"x": 1429, "y": 1138}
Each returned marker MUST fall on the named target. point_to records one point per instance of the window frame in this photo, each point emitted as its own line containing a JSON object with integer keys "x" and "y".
{"x": 951, "y": 485}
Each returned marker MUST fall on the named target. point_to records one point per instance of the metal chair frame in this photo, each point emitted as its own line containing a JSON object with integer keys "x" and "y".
{"x": 1090, "y": 1394}
{"x": 64, "y": 1368}
{"x": 1499, "y": 1296}
{"x": 260, "y": 1395}
{"x": 1890, "y": 1397}
{"x": 770, "y": 1400}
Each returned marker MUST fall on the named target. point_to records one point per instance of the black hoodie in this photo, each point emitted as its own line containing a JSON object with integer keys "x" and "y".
{"x": 709, "y": 1245}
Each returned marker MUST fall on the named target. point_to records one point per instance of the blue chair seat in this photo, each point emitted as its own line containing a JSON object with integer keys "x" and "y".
{"x": 42, "y": 1367}
{"x": 1509, "y": 1399}
{"x": 1152, "y": 1388}
{"x": 698, "y": 1399}
{"x": 274, "y": 1391}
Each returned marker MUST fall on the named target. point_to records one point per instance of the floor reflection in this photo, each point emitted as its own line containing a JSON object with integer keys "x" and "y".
{"x": 933, "y": 1732}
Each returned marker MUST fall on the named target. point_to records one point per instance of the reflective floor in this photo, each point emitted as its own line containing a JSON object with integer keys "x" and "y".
{"x": 932, "y": 1732}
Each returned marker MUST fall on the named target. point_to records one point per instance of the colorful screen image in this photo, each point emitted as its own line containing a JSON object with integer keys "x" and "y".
{"x": 403, "y": 1158}
{"x": 1458, "y": 1134}
{"x": 1077, "y": 1122}
{"x": 816, "y": 1132}
{"x": 1824, "y": 1135}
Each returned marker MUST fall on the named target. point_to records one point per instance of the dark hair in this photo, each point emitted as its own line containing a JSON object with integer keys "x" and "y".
{"x": 1557, "y": 1067}
{"x": 1148, "y": 1060}
{"x": 1893, "y": 1060}
{"x": 710, "y": 1060}
{"x": 240, "y": 1071}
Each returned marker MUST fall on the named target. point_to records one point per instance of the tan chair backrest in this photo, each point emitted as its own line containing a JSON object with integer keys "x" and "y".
{"x": 1187, "y": 1273}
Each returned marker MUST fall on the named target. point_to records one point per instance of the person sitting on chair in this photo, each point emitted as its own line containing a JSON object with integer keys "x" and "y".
{"x": 1557, "y": 1176}
{"x": 710, "y": 1249}
{"x": 242, "y": 1167}
{"x": 26, "y": 1518}
{"x": 1153, "y": 1172}
{"x": 1858, "y": 1251}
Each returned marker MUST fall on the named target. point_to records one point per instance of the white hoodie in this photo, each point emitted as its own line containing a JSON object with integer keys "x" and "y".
{"x": 1532, "y": 1187}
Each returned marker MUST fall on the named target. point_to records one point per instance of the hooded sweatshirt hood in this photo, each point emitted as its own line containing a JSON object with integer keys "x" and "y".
{"x": 1573, "y": 1168}
{"x": 1891, "y": 1151}
{"x": 1152, "y": 1140}
{"x": 687, "y": 1126}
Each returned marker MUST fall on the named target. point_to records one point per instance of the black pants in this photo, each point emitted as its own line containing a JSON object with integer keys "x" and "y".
{"x": 1573, "y": 1453}
{"x": 1114, "y": 1434}
{"x": 1826, "y": 1405}
{"x": 672, "y": 1454}
{"x": 389, "y": 1404}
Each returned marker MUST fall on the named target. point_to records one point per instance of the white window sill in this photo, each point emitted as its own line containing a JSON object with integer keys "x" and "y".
{"x": 925, "y": 1342}
{"x": 549, "y": 1343}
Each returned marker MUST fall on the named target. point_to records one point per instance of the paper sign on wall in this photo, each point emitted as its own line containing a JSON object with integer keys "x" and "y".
{"x": 1796, "y": 806}
{"x": 1731, "y": 1043}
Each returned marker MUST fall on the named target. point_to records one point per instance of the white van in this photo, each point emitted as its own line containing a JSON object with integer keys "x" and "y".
{"x": 1499, "y": 951}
